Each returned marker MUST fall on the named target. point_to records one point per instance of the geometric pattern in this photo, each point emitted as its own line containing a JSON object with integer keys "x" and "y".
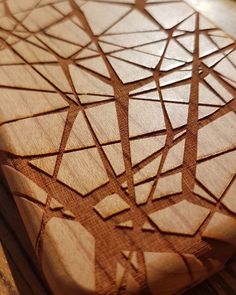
{"x": 118, "y": 125}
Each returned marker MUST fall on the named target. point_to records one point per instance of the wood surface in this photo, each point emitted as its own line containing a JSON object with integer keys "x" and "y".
{"x": 89, "y": 146}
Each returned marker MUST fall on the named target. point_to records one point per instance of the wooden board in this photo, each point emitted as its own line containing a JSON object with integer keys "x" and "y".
{"x": 118, "y": 142}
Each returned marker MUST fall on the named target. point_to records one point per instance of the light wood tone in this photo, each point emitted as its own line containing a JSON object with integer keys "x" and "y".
{"x": 148, "y": 226}
{"x": 120, "y": 270}
{"x": 145, "y": 117}
{"x": 133, "y": 40}
{"x": 229, "y": 198}
{"x": 95, "y": 15}
{"x": 20, "y": 184}
{"x": 30, "y": 136}
{"x": 114, "y": 154}
{"x": 85, "y": 83}
{"x": 22, "y": 104}
{"x": 142, "y": 192}
{"x": 134, "y": 22}
{"x": 69, "y": 31}
{"x": 182, "y": 218}
{"x": 169, "y": 15}
{"x": 222, "y": 91}
{"x": 116, "y": 97}
{"x": 143, "y": 148}
{"x": 55, "y": 75}
{"x": 148, "y": 171}
{"x": 222, "y": 228}
{"x": 65, "y": 234}
{"x": 167, "y": 272}
{"x": 128, "y": 72}
{"x": 22, "y": 76}
{"x": 168, "y": 185}
{"x": 95, "y": 64}
{"x": 104, "y": 122}
{"x": 55, "y": 205}
{"x": 207, "y": 173}
{"x": 46, "y": 164}
{"x": 222, "y": 13}
{"x": 80, "y": 135}
{"x": 126, "y": 224}
{"x": 32, "y": 217}
{"x": 174, "y": 157}
{"x": 91, "y": 167}
{"x": 111, "y": 205}
{"x": 223, "y": 140}
{"x": 202, "y": 193}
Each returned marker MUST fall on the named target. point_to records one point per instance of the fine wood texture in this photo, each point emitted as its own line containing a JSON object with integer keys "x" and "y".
{"x": 122, "y": 164}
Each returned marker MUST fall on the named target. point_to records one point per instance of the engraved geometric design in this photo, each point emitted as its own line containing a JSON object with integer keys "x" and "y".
{"x": 118, "y": 135}
{"x": 182, "y": 218}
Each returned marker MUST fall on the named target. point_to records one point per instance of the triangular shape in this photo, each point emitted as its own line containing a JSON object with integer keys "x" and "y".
{"x": 169, "y": 14}
{"x": 149, "y": 86}
{"x": 177, "y": 93}
{"x": 86, "y": 53}
{"x": 128, "y": 72}
{"x": 214, "y": 182}
{"x": 95, "y": 64}
{"x": 29, "y": 78}
{"x": 147, "y": 226}
{"x": 204, "y": 111}
{"x": 114, "y": 154}
{"x": 108, "y": 47}
{"x": 126, "y": 224}
{"x": 206, "y": 96}
{"x": 89, "y": 177}
{"x": 7, "y": 56}
{"x": 168, "y": 185}
{"x": 134, "y": 39}
{"x": 106, "y": 15}
{"x": 189, "y": 24}
{"x": 87, "y": 83}
{"x": 187, "y": 41}
{"x": 170, "y": 64}
{"x": 148, "y": 171}
{"x": 205, "y": 24}
{"x": 104, "y": 121}
{"x": 80, "y": 135}
{"x": 203, "y": 194}
{"x": 135, "y": 21}
{"x": 143, "y": 148}
{"x": 32, "y": 53}
{"x": 55, "y": 205}
{"x": 55, "y": 75}
{"x": 174, "y": 156}
{"x": 46, "y": 164}
{"x": 68, "y": 213}
{"x": 178, "y": 114}
{"x": 137, "y": 57}
{"x": 150, "y": 95}
{"x": 69, "y": 31}
{"x": 175, "y": 51}
{"x": 206, "y": 46}
{"x": 222, "y": 41}
{"x": 156, "y": 48}
{"x": 126, "y": 253}
{"x": 142, "y": 192}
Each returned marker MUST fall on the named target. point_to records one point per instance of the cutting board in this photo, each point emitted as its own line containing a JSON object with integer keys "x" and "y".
{"x": 118, "y": 135}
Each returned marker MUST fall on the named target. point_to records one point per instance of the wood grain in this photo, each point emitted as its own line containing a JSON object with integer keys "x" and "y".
{"x": 103, "y": 138}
